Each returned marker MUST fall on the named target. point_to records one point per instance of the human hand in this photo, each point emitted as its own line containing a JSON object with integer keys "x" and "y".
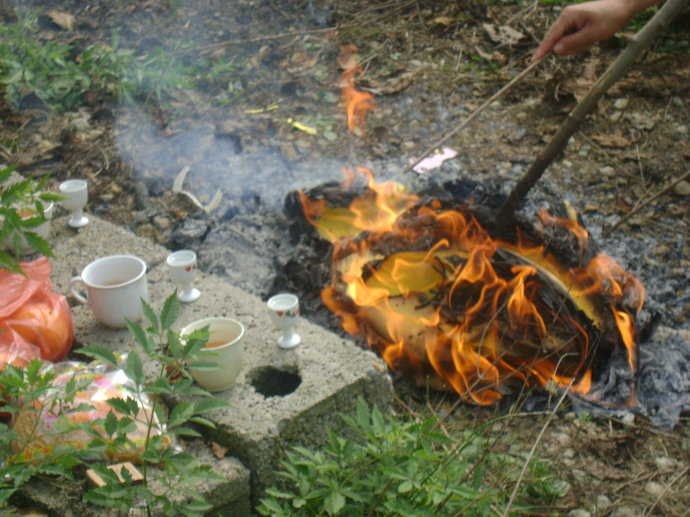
{"x": 580, "y": 26}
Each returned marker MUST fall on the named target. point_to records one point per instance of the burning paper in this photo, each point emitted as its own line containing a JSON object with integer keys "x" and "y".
{"x": 439, "y": 298}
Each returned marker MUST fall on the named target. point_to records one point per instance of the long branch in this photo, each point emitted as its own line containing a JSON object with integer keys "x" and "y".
{"x": 641, "y": 41}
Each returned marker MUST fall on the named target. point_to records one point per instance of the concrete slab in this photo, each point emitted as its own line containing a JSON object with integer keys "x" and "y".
{"x": 281, "y": 398}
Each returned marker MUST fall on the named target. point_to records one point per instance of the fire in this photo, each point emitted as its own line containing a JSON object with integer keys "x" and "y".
{"x": 357, "y": 103}
{"x": 437, "y": 296}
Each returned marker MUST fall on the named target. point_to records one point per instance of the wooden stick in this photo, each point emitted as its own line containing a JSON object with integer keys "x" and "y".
{"x": 472, "y": 116}
{"x": 639, "y": 207}
{"x": 641, "y": 41}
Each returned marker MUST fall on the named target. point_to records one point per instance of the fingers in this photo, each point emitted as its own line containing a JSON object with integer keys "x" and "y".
{"x": 561, "y": 26}
{"x": 576, "y": 42}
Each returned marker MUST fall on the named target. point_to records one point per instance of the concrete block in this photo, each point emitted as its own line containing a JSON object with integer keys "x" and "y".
{"x": 282, "y": 397}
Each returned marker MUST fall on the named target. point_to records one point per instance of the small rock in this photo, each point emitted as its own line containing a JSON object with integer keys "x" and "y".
{"x": 641, "y": 121}
{"x": 683, "y": 130}
{"x": 580, "y": 476}
{"x": 518, "y": 135}
{"x": 665, "y": 463}
{"x": 79, "y": 124}
{"x": 569, "y": 453}
{"x": 607, "y": 171}
{"x": 161, "y": 222}
{"x": 654, "y": 489}
{"x": 562, "y": 438}
{"x": 603, "y": 503}
{"x": 628, "y": 419}
{"x": 682, "y": 188}
{"x": 579, "y": 512}
{"x": 621, "y": 104}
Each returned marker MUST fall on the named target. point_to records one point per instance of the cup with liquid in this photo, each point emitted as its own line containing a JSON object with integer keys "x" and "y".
{"x": 226, "y": 346}
{"x": 115, "y": 286}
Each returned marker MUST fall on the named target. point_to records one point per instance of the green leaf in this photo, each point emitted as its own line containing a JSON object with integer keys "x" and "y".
{"x": 140, "y": 336}
{"x": 123, "y": 407}
{"x": 110, "y": 423}
{"x": 210, "y": 404}
{"x": 10, "y": 264}
{"x": 171, "y": 309}
{"x": 6, "y": 173}
{"x": 405, "y": 486}
{"x": 334, "y": 503}
{"x": 203, "y": 421}
{"x": 150, "y": 316}
{"x": 174, "y": 344}
{"x": 135, "y": 369}
{"x": 181, "y": 414}
{"x": 100, "y": 353}
{"x": 186, "y": 431}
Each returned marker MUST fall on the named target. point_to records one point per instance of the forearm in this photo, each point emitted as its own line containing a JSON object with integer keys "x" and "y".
{"x": 633, "y": 7}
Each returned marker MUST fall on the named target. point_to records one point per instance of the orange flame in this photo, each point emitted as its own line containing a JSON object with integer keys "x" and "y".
{"x": 357, "y": 103}
{"x": 436, "y": 296}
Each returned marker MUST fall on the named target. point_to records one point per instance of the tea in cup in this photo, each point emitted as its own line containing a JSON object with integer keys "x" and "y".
{"x": 115, "y": 287}
{"x": 226, "y": 344}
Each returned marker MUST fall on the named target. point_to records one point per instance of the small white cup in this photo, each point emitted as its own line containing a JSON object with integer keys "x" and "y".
{"x": 76, "y": 194}
{"x": 226, "y": 341}
{"x": 284, "y": 311}
{"x": 183, "y": 269}
{"x": 115, "y": 286}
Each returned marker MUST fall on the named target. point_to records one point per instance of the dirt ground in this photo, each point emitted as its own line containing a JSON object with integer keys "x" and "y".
{"x": 273, "y": 124}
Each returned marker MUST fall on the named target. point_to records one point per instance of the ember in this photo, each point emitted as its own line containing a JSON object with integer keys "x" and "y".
{"x": 439, "y": 297}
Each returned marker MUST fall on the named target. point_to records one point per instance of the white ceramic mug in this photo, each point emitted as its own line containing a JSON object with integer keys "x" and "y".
{"x": 226, "y": 341}
{"x": 115, "y": 286}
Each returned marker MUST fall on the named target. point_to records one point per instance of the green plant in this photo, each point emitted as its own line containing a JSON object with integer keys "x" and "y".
{"x": 22, "y": 210}
{"x": 178, "y": 471}
{"x": 392, "y": 467}
{"x": 53, "y": 72}
{"x": 44, "y": 68}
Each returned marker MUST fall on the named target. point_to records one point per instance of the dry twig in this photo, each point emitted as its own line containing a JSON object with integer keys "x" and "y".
{"x": 665, "y": 490}
{"x": 640, "y": 206}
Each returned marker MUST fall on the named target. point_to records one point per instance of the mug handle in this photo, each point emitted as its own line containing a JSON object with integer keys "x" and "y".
{"x": 72, "y": 284}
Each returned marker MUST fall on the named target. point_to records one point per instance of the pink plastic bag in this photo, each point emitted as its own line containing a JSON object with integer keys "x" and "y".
{"x": 35, "y": 322}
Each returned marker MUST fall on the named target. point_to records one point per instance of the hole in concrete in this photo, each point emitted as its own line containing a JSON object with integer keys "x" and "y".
{"x": 275, "y": 382}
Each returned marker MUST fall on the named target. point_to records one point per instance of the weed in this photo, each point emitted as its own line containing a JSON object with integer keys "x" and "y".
{"x": 42, "y": 68}
{"x": 49, "y": 69}
{"x": 34, "y": 387}
{"x": 22, "y": 205}
{"x": 393, "y": 467}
